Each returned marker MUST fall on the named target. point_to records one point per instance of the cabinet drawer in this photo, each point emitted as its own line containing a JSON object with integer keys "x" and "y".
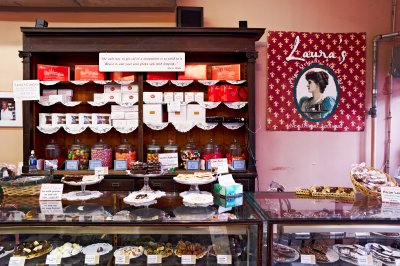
{"x": 115, "y": 185}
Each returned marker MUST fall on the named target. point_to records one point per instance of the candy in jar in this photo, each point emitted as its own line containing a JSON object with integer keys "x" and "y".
{"x": 211, "y": 151}
{"x": 102, "y": 152}
{"x": 126, "y": 151}
{"x": 235, "y": 152}
{"x": 79, "y": 151}
{"x": 153, "y": 150}
{"x": 53, "y": 151}
{"x": 189, "y": 152}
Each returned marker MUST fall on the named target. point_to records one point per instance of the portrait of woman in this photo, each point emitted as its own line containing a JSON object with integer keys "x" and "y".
{"x": 315, "y": 104}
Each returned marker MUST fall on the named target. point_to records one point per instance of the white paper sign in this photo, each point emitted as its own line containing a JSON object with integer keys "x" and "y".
{"x": 308, "y": 259}
{"x": 51, "y": 207}
{"x": 363, "y": 234}
{"x": 101, "y": 171}
{"x": 51, "y": 191}
{"x": 221, "y": 164}
{"x": 124, "y": 260}
{"x": 168, "y": 160}
{"x": 224, "y": 259}
{"x": 53, "y": 260}
{"x": 141, "y": 62}
{"x": 16, "y": 261}
{"x": 26, "y": 90}
{"x": 92, "y": 259}
{"x": 154, "y": 259}
{"x": 188, "y": 259}
{"x": 365, "y": 260}
{"x": 390, "y": 194}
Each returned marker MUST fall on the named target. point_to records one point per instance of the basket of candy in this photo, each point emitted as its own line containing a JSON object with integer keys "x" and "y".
{"x": 22, "y": 185}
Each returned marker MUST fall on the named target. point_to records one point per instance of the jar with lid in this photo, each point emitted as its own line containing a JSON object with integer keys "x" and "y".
{"x": 211, "y": 151}
{"x": 171, "y": 147}
{"x": 235, "y": 152}
{"x": 102, "y": 151}
{"x": 189, "y": 152}
{"x": 79, "y": 151}
{"x": 153, "y": 149}
{"x": 53, "y": 151}
{"x": 126, "y": 151}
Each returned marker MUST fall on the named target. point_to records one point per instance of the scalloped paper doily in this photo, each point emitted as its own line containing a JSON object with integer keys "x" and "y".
{"x": 236, "y": 82}
{"x": 127, "y": 104}
{"x": 72, "y": 196}
{"x": 157, "y": 126}
{"x": 233, "y": 126}
{"x": 235, "y": 105}
{"x": 97, "y": 103}
{"x": 208, "y": 82}
{"x": 102, "y": 82}
{"x": 126, "y": 130}
{"x": 48, "y": 129}
{"x": 183, "y": 127}
{"x": 157, "y": 83}
{"x": 181, "y": 83}
{"x": 209, "y": 105}
{"x": 100, "y": 129}
{"x": 124, "y": 82}
{"x": 46, "y": 103}
{"x": 207, "y": 126}
{"x": 49, "y": 82}
{"x": 75, "y": 129}
{"x": 71, "y": 104}
{"x": 79, "y": 82}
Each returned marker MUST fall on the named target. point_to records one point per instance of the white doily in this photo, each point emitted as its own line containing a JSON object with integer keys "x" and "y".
{"x": 48, "y": 129}
{"x": 208, "y": 82}
{"x": 97, "y": 103}
{"x": 102, "y": 82}
{"x": 150, "y": 199}
{"x": 49, "y": 82}
{"x": 125, "y": 130}
{"x": 235, "y": 105}
{"x": 71, "y": 104}
{"x": 46, "y": 103}
{"x": 124, "y": 82}
{"x": 236, "y": 82}
{"x": 153, "y": 102}
{"x": 157, "y": 126}
{"x": 79, "y": 82}
{"x": 100, "y": 129}
{"x": 184, "y": 127}
{"x": 181, "y": 83}
{"x": 72, "y": 196}
{"x": 75, "y": 129}
{"x": 157, "y": 83}
{"x": 209, "y": 105}
{"x": 233, "y": 126}
{"x": 129, "y": 104}
{"x": 207, "y": 126}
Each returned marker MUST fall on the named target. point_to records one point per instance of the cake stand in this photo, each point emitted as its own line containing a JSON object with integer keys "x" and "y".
{"x": 146, "y": 187}
{"x": 194, "y": 184}
{"x": 89, "y": 180}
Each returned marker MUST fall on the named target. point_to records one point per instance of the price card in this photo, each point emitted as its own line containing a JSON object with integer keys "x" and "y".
{"x": 224, "y": 259}
{"x": 168, "y": 160}
{"x": 365, "y": 260}
{"x": 390, "y": 194}
{"x": 92, "y": 259}
{"x": 26, "y": 90}
{"x": 188, "y": 259}
{"x": 192, "y": 165}
{"x": 71, "y": 165}
{"x": 239, "y": 164}
{"x": 51, "y": 207}
{"x": 123, "y": 260}
{"x": 53, "y": 260}
{"x": 101, "y": 171}
{"x": 221, "y": 164}
{"x": 154, "y": 259}
{"x": 51, "y": 191}
{"x": 16, "y": 261}
{"x": 308, "y": 259}
{"x": 120, "y": 165}
{"x": 94, "y": 163}
{"x": 50, "y": 163}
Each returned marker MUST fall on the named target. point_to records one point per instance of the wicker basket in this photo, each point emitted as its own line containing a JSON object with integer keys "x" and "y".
{"x": 28, "y": 188}
{"x": 366, "y": 191}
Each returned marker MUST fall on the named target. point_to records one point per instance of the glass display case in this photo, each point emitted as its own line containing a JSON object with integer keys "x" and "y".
{"x": 108, "y": 231}
{"x": 363, "y": 231}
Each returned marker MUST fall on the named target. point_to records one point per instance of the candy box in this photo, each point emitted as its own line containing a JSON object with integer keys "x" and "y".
{"x": 225, "y": 72}
{"x": 72, "y": 119}
{"x": 178, "y": 117}
{"x": 161, "y": 75}
{"x": 45, "y": 119}
{"x": 123, "y": 76}
{"x": 214, "y": 93}
{"x": 233, "y": 93}
{"x": 89, "y": 72}
{"x": 58, "y": 119}
{"x": 101, "y": 119}
{"x": 196, "y": 113}
{"x": 152, "y": 113}
{"x": 130, "y": 88}
{"x": 193, "y": 71}
{"x": 85, "y": 119}
{"x": 112, "y": 88}
{"x": 49, "y": 72}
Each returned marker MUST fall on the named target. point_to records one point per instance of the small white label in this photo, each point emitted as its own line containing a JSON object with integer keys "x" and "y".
{"x": 390, "y": 194}
{"x": 16, "y": 261}
{"x": 363, "y": 234}
{"x": 221, "y": 165}
{"x": 224, "y": 259}
{"x": 92, "y": 259}
{"x": 365, "y": 260}
{"x": 154, "y": 259}
{"x": 51, "y": 207}
{"x": 124, "y": 260}
{"x": 188, "y": 259}
{"x": 168, "y": 160}
{"x": 308, "y": 259}
{"x": 101, "y": 171}
{"x": 53, "y": 260}
{"x": 350, "y": 235}
{"x": 51, "y": 191}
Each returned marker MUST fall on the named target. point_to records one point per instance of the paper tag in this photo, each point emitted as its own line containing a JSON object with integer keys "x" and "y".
{"x": 120, "y": 165}
{"x": 26, "y": 90}
{"x": 101, "y": 171}
{"x": 53, "y": 260}
{"x": 192, "y": 165}
{"x": 154, "y": 259}
{"x": 124, "y": 260}
{"x": 363, "y": 234}
{"x": 51, "y": 207}
{"x": 168, "y": 160}
{"x": 365, "y": 260}
{"x": 224, "y": 259}
{"x": 17, "y": 261}
{"x": 92, "y": 259}
{"x": 51, "y": 191}
{"x": 308, "y": 259}
{"x": 188, "y": 259}
{"x": 239, "y": 164}
{"x": 221, "y": 165}
{"x": 94, "y": 163}
{"x": 390, "y": 194}
{"x": 174, "y": 106}
{"x": 71, "y": 165}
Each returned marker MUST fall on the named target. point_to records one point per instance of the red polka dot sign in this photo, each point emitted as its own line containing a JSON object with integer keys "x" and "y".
{"x": 316, "y": 81}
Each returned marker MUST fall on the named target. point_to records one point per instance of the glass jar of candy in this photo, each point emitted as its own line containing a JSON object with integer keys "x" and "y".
{"x": 53, "y": 151}
{"x": 153, "y": 149}
{"x": 79, "y": 151}
{"x": 126, "y": 151}
{"x": 235, "y": 152}
{"x": 189, "y": 152}
{"x": 211, "y": 151}
{"x": 171, "y": 147}
{"x": 102, "y": 152}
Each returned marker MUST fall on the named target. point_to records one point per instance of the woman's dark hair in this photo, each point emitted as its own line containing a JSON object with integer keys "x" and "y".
{"x": 321, "y": 78}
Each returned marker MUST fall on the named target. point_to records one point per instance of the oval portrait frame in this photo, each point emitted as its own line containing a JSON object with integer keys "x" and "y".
{"x": 295, "y": 91}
